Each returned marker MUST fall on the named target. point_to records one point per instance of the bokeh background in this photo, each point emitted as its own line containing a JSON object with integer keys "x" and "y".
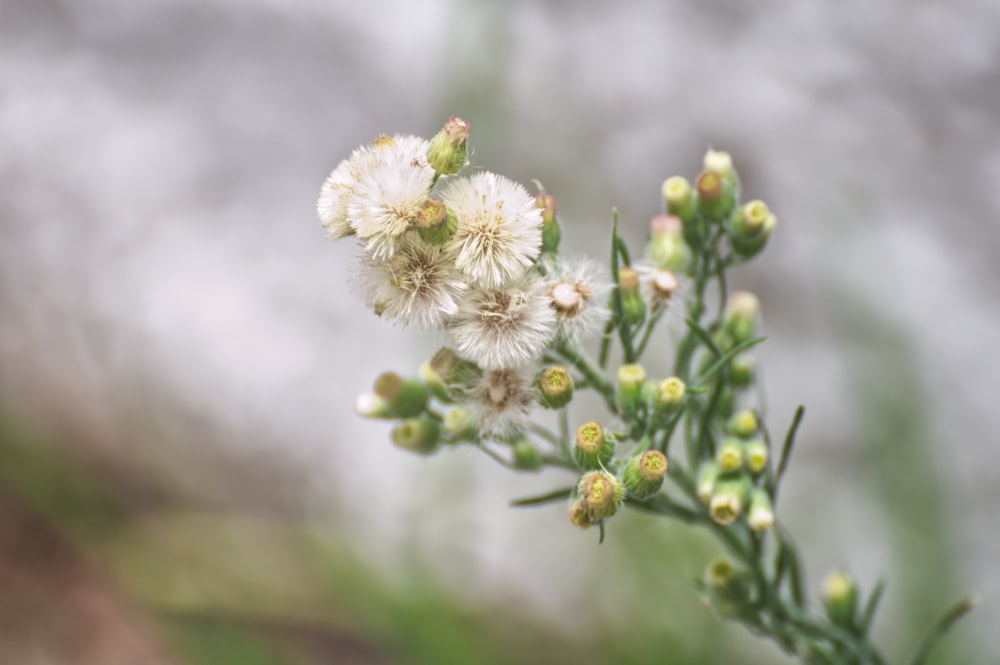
{"x": 182, "y": 477}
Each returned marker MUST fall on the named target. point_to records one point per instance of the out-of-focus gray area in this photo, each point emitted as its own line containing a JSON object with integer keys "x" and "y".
{"x": 172, "y": 319}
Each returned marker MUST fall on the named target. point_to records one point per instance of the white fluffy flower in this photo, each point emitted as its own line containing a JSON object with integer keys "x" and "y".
{"x": 331, "y": 208}
{"x": 388, "y": 195}
{"x": 499, "y": 233}
{"x": 505, "y": 326}
{"x": 419, "y": 286}
{"x": 665, "y": 290}
{"x": 579, "y": 297}
{"x": 501, "y": 400}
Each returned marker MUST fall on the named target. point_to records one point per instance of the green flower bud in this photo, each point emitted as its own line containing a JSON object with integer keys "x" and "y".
{"x": 633, "y": 306}
{"x": 526, "y": 456}
{"x": 594, "y": 448}
{"x": 419, "y": 435}
{"x": 555, "y": 387}
{"x": 729, "y": 456}
{"x": 447, "y": 150}
{"x": 643, "y": 474}
{"x": 743, "y": 424}
{"x": 461, "y": 424}
{"x": 405, "y": 397}
{"x": 669, "y": 399}
{"x": 551, "y": 232}
{"x": 579, "y": 516}
{"x": 601, "y": 493}
{"x": 741, "y": 316}
{"x": 716, "y": 197}
{"x": 708, "y": 475}
{"x": 666, "y": 248}
{"x": 720, "y": 576}
{"x": 631, "y": 379}
{"x": 720, "y": 162}
{"x": 760, "y": 514}
{"x": 370, "y": 405}
{"x": 435, "y": 223}
{"x": 840, "y": 598}
{"x": 727, "y": 588}
{"x": 679, "y": 197}
{"x": 750, "y": 227}
{"x": 449, "y": 376}
{"x": 728, "y": 498}
{"x": 756, "y": 454}
{"x": 741, "y": 370}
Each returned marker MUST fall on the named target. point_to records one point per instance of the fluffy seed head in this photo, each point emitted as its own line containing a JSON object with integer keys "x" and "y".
{"x": 502, "y": 399}
{"x": 499, "y": 228}
{"x": 506, "y": 326}
{"x": 578, "y": 298}
{"x": 331, "y": 208}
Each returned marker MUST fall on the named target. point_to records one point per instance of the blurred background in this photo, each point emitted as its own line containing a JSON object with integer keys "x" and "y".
{"x": 183, "y": 480}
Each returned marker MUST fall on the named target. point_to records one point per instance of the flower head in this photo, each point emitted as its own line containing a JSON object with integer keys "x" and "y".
{"x": 578, "y": 297}
{"x": 331, "y": 208}
{"x": 390, "y": 193}
{"x": 499, "y": 232}
{"x": 502, "y": 399}
{"x": 418, "y": 286}
{"x": 505, "y": 326}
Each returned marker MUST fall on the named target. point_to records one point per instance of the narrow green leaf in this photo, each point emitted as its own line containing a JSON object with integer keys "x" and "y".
{"x": 704, "y": 336}
{"x": 786, "y": 450}
{"x": 940, "y": 628}
{"x": 551, "y": 497}
{"x": 868, "y": 613}
{"x": 725, "y": 360}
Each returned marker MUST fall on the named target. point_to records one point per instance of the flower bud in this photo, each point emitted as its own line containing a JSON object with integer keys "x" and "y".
{"x": 666, "y": 248}
{"x": 727, "y": 500}
{"x": 526, "y": 456}
{"x": 729, "y": 456}
{"x": 643, "y": 474}
{"x": 447, "y": 150}
{"x": 741, "y": 370}
{"x": 593, "y": 447}
{"x": 720, "y": 162}
{"x": 726, "y": 587}
{"x": 760, "y": 514}
{"x": 840, "y": 598}
{"x": 449, "y": 376}
{"x": 631, "y": 379}
{"x": 633, "y": 306}
{"x": 756, "y": 454}
{"x": 370, "y": 405}
{"x": 601, "y": 493}
{"x": 551, "y": 232}
{"x": 579, "y": 516}
{"x": 716, "y": 197}
{"x": 669, "y": 399}
{"x": 419, "y": 435}
{"x": 741, "y": 316}
{"x": 743, "y": 424}
{"x": 555, "y": 387}
{"x": 435, "y": 223}
{"x": 461, "y": 424}
{"x": 750, "y": 228}
{"x": 405, "y": 397}
{"x": 679, "y": 197}
{"x": 708, "y": 475}
{"x": 720, "y": 575}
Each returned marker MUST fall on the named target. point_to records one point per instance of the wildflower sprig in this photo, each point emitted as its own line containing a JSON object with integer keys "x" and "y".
{"x": 476, "y": 257}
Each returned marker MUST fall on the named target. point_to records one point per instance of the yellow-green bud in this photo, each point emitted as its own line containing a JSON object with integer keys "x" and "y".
{"x": 631, "y": 379}
{"x": 741, "y": 370}
{"x": 601, "y": 493}
{"x": 551, "y": 232}
{"x": 708, "y": 475}
{"x": 728, "y": 498}
{"x": 666, "y": 247}
{"x": 741, "y": 316}
{"x": 526, "y": 456}
{"x": 729, "y": 456}
{"x": 840, "y": 598}
{"x": 419, "y": 435}
{"x": 593, "y": 447}
{"x": 720, "y": 575}
{"x": 579, "y": 516}
{"x": 716, "y": 198}
{"x": 555, "y": 387}
{"x": 750, "y": 227}
{"x": 405, "y": 397}
{"x": 370, "y": 405}
{"x": 633, "y": 305}
{"x": 720, "y": 162}
{"x": 756, "y": 455}
{"x": 447, "y": 150}
{"x": 449, "y": 376}
{"x": 760, "y": 514}
{"x": 461, "y": 424}
{"x": 435, "y": 223}
{"x": 743, "y": 424}
{"x": 643, "y": 474}
{"x": 669, "y": 398}
{"x": 679, "y": 197}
